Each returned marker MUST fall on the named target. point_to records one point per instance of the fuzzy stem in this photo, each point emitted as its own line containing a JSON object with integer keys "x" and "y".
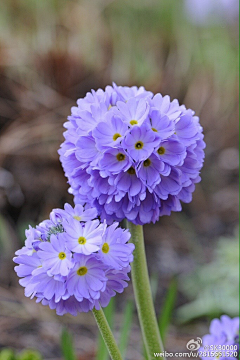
{"x": 143, "y": 295}
{"x": 107, "y": 334}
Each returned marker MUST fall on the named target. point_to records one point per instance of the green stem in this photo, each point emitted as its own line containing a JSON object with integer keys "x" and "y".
{"x": 107, "y": 334}
{"x": 143, "y": 295}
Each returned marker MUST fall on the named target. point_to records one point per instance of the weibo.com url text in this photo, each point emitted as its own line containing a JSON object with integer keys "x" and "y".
{"x": 197, "y": 354}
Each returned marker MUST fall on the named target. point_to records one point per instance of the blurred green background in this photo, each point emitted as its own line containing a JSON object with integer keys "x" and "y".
{"x": 51, "y": 53}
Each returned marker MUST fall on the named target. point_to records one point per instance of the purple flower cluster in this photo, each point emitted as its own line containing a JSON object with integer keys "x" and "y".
{"x": 72, "y": 262}
{"x": 131, "y": 154}
{"x": 201, "y": 12}
{"x": 224, "y": 336}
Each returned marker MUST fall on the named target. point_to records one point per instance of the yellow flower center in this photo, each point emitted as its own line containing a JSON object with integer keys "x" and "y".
{"x": 116, "y": 136}
{"x": 109, "y": 107}
{"x": 105, "y": 248}
{"x": 147, "y": 163}
{"x": 131, "y": 171}
{"x": 161, "y": 150}
{"x": 82, "y": 271}
{"x": 77, "y": 217}
{"x": 153, "y": 129}
{"x": 133, "y": 122}
{"x": 139, "y": 145}
{"x": 120, "y": 157}
{"x": 82, "y": 240}
{"x": 62, "y": 255}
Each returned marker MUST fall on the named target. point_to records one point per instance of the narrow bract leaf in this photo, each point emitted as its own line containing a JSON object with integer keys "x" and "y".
{"x": 167, "y": 309}
{"x": 67, "y": 345}
{"x": 126, "y": 327}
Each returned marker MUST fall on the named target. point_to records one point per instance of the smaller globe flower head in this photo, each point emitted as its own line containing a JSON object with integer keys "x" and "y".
{"x": 224, "y": 333}
{"x": 132, "y": 154}
{"x": 62, "y": 262}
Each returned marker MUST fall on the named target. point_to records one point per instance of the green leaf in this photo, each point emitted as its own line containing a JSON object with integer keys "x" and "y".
{"x": 7, "y": 354}
{"x": 126, "y": 327}
{"x": 167, "y": 309}
{"x": 102, "y": 353}
{"x": 30, "y": 355}
{"x": 67, "y": 345}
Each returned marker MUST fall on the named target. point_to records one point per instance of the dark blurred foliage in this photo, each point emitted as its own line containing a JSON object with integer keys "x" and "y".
{"x": 54, "y": 51}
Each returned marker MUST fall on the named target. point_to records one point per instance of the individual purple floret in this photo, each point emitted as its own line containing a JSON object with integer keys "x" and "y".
{"x": 55, "y": 256}
{"x": 113, "y": 251}
{"x": 131, "y": 154}
{"x": 72, "y": 262}
{"x": 223, "y": 341}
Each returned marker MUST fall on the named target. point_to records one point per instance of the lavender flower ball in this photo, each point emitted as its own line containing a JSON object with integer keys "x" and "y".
{"x": 72, "y": 262}
{"x": 224, "y": 333}
{"x": 132, "y": 154}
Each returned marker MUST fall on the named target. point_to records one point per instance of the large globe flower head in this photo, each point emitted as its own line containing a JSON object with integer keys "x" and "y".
{"x": 132, "y": 154}
{"x": 72, "y": 262}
